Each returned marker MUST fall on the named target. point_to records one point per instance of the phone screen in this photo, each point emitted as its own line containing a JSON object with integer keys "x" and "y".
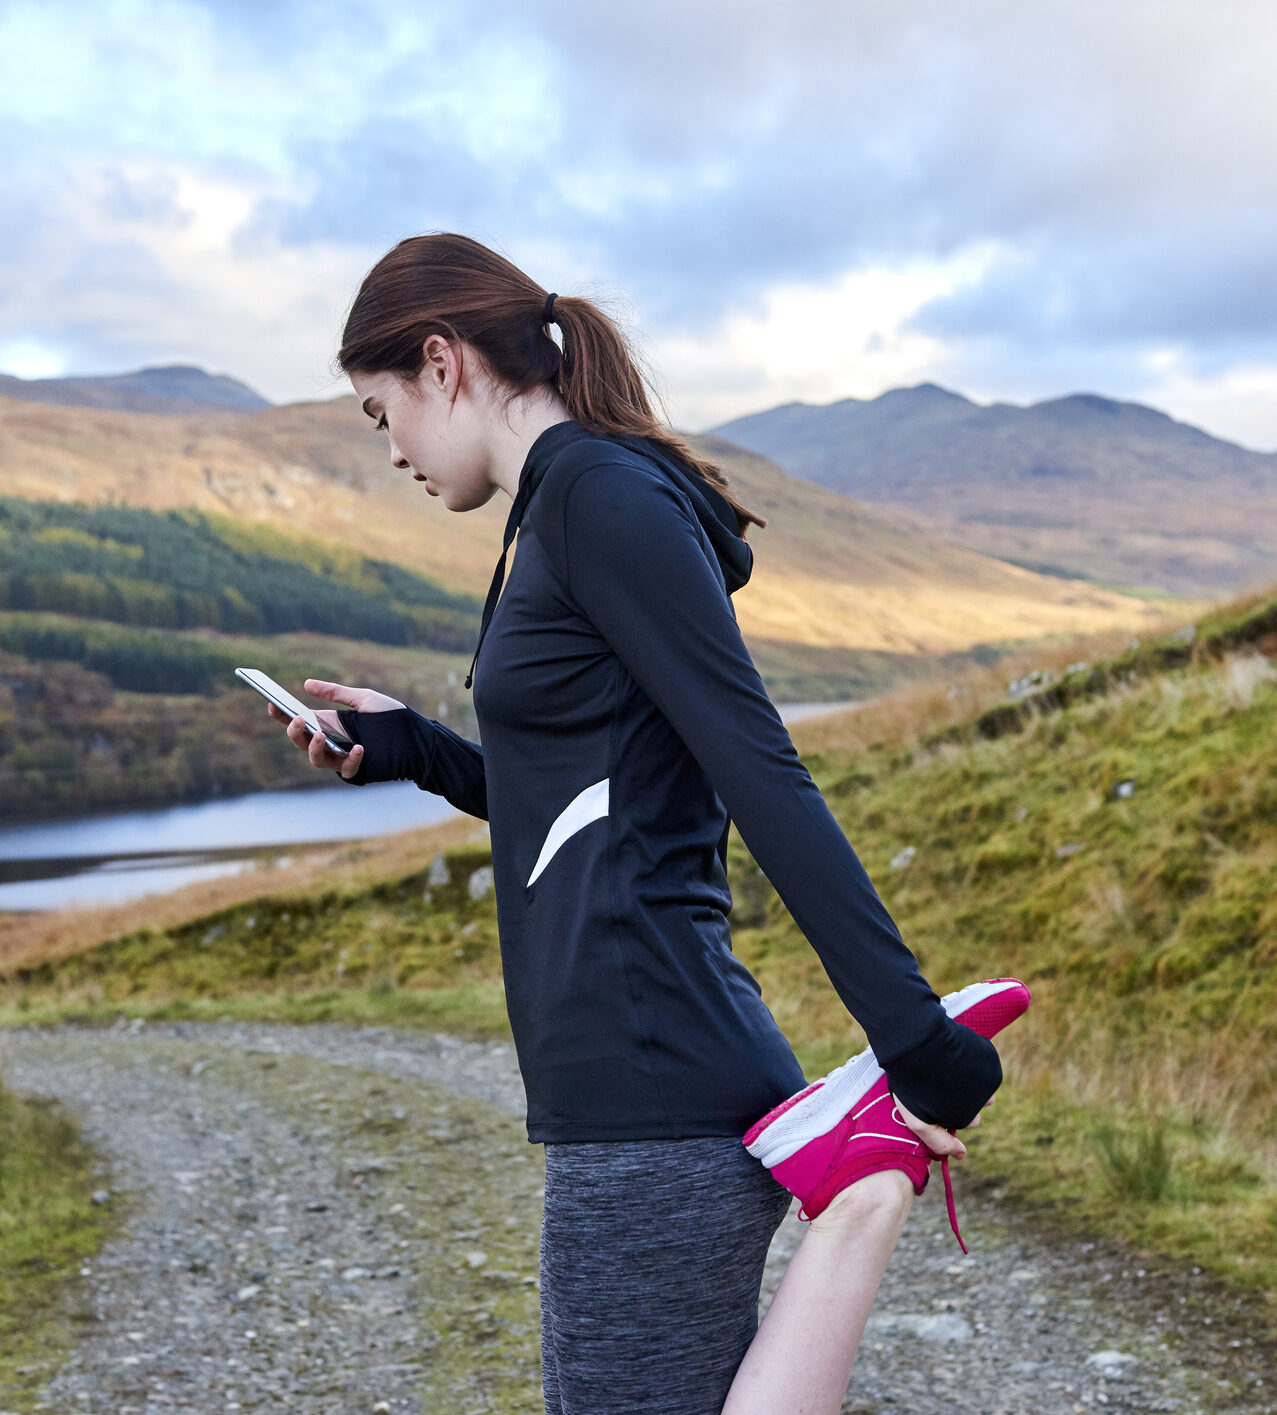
{"x": 283, "y": 699}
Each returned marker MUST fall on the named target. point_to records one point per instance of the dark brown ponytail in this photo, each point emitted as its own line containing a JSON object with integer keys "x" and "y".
{"x": 444, "y": 283}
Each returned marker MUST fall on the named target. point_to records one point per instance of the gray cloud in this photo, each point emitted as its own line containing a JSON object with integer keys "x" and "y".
{"x": 1212, "y": 289}
{"x": 742, "y": 145}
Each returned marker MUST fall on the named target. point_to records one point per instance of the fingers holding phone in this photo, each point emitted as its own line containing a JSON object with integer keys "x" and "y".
{"x": 318, "y": 732}
{"x": 361, "y": 700}
{"x": 315, "y": 745}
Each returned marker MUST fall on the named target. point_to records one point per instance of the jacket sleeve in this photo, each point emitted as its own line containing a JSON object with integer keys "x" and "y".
{"x": 641, "y": 568}
{"x": 402, "y": 745}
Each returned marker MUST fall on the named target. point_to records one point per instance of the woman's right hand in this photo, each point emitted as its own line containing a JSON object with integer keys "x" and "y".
{"x": 937, "y": 1138}
{"x": 320, "y": 754}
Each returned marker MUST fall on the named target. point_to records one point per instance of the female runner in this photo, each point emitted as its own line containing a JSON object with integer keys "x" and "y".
{"x": 624, "y": 725}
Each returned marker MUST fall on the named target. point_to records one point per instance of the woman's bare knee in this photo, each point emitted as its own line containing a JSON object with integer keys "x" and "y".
{"x": 885, "y": 1196}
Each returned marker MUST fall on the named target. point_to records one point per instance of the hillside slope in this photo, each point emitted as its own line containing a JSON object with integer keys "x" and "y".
{"x": 830, "y": 576}
{"x": 1115, "y": 849}
{"x": 121, "y": 628}
{"x": 1115, "y": 492}
{"x": 187, "y": 569}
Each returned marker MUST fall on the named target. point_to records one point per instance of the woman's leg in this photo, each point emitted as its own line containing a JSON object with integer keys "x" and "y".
{"x": 652, "y": 1255}
{"x": 800, "y": 1361}
{"x": 549, "y": 1361}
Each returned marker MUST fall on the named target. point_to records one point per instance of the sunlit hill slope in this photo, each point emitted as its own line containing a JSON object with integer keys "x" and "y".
{"x": 831, "y": 578}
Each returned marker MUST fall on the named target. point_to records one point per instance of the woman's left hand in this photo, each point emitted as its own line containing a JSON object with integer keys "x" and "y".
{"x": 937, "y": 1139}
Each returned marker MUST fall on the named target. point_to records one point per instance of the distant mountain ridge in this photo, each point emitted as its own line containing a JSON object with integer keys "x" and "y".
{"x": 172, "y": 388}
{"x": 1114, "y": 492}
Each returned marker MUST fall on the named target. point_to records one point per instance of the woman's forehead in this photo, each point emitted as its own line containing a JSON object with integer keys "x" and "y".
{"x": 371, "y": 388}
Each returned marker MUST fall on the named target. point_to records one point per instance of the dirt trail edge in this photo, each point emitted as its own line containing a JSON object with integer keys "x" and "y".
{"x": 335, "y": 1219}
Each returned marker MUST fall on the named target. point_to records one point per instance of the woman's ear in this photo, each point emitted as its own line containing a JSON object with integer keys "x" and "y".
{"x": 431, "y": 362}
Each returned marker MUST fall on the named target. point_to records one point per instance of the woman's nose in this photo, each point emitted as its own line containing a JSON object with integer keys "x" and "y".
{"x": 397, "y": 458}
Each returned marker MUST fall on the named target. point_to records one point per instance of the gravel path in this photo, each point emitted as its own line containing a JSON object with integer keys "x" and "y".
{"x": 320, "y": 1219}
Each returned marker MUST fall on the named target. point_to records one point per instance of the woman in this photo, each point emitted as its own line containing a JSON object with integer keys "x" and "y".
{"x": 623, "y": 725}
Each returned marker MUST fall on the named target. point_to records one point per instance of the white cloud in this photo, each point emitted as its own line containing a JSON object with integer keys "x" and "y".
{"x": 26, "y": 358}
{"x": 811, "y": 342}
{"x": 1238, "y": 404}
{"x": 184, "y": 289}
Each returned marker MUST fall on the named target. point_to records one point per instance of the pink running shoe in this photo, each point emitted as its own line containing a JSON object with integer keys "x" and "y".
{"x": 847, "y": 1125}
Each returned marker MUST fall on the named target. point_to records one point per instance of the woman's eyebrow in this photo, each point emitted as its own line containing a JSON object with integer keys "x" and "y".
{"x": 366, "y": 408}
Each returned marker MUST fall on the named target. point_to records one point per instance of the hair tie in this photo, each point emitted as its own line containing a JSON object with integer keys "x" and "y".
{"x": 547, "y": 317}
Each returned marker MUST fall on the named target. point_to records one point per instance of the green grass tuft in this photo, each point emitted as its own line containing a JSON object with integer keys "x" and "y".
{"x": 1140, "y": 1169}
{"x": 49, "y": 1225}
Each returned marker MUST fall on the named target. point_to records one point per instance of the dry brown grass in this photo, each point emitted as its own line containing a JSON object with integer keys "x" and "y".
{"x": 900, "y": 718}
{"x": 1210, "y": 1078}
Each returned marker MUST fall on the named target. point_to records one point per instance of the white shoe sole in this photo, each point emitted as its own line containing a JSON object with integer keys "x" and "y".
{"x": 820, "y": 1111}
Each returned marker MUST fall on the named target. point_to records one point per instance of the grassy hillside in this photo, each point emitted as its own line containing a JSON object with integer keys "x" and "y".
{"x": 121, "y": 627}
{"x": 95, "y": 714}
{"x": 188, "y": 569}
{"x": 1114, "y": 845}
{"x": 74, "y": 738}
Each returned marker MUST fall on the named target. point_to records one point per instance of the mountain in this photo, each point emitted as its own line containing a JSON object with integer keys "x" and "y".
{"x": 175, "y": 388}
{"x": 840, "y": 595}
{"x": 1113, "y": 492}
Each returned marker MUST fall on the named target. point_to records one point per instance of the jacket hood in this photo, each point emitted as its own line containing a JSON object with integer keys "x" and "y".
{"x": 713, "y": 510}
{"x": 715, "y": 513}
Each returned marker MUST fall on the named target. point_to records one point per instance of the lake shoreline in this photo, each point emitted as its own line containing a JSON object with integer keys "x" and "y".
{"x": 108, "y": 856}
{"x": 789, "y": 712}
{"x": 100, "y": 860}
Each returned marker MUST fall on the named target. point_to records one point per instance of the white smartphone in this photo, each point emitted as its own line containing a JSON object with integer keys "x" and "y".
{"x": 272, "y": 692}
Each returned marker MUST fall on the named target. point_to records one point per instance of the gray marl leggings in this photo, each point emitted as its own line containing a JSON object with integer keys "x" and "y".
{"x": 652, "y": 1255}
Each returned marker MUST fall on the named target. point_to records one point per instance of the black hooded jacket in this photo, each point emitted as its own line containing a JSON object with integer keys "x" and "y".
{"x": 623, "y": 726}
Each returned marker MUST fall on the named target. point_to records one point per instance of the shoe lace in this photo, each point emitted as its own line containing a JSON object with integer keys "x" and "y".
{"x": 948, "y": 1197}
{"x": 948, "y": 1183}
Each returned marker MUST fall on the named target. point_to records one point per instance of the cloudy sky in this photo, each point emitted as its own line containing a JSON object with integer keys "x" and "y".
{"x": 809, "y": 200}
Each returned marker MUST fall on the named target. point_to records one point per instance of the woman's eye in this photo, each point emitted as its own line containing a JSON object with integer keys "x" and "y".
{"x": 382, "y": 424}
